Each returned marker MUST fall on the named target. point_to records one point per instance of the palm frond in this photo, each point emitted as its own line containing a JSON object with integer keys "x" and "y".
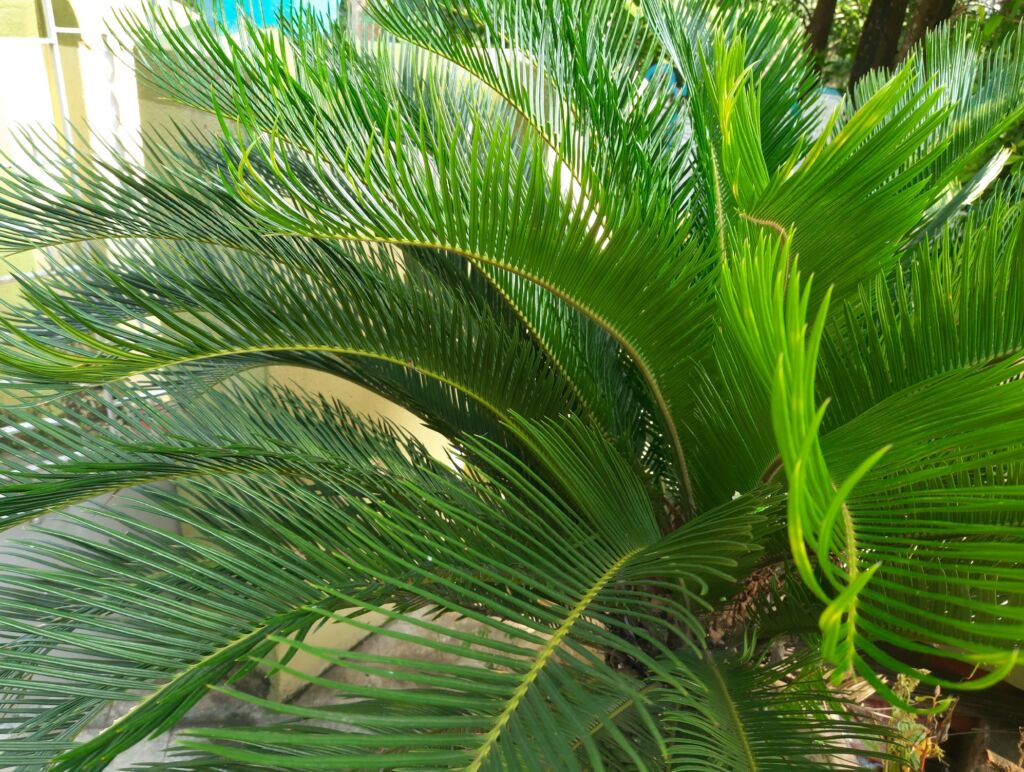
{"x": 746, "y": 715}
{"x": 360, "y": 148}
{"x": 544, "y": 579}
{"x": 977, "y": 86}
{"x": 81, "y": 277}
{"x": 803, "y": 200}
{"x": 142, "y": 614}
{"x": 536, "y": 696}
{"x": 768, "y": 46}
{"x": 86, "y": 196}
{"x": 956, "y": 306}
{"x": 224, "y": 306}
{"x": 952, "y": 582}
{"x": 106, "y": 445}
{"x": 168, "y": 614}
{"x": 578, "y": 79}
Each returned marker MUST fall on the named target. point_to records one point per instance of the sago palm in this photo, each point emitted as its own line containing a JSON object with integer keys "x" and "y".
{"x": 714, "y": 369}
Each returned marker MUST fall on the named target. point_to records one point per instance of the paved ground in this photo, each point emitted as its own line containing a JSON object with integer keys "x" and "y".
{"x": 219, "y": 710}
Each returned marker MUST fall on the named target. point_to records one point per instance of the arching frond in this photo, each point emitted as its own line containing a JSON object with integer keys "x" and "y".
{"x": 104, "y": 446}
{"x": 752, "y": 716}
{"x": 544, "y": 586}
{"x": 952, "y": 580}
{"x": 224, "y": 306}
{"x": 957, "y": 306}
{"x": 976, "y": 85}
{"x": 768, "y": 47}
{"x": 376, "y": 159}
{"x": 88, "y": 197}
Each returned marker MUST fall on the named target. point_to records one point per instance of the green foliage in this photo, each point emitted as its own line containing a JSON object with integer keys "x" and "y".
{"x": 922, "y": 736}
{"x": 740, "y": 716}
{"x": 677, "y": 339}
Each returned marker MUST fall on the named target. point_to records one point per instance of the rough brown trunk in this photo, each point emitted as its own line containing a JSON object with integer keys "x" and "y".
{"x": 820, "y": 29}
{"x": 880, "y": 38}
{"x": 929, "y": 14}
{"x": 889, "y": 45}
{"x": 998, "y": 763}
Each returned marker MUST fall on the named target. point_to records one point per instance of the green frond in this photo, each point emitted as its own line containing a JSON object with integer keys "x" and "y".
{"x": 177, "y": 197}
{"x": 223, "y": 306}
{"x": 76, "y": 277}
{"x": 535, "y": 696}
{"x": 977, "y": 86}
{"x": 360, "y": 149}
{"x": 754, "y": 716}
{"x": 170, "y": 615}
{"x": 731, "y": 430}
{"x": 939, "y": 514}
{"x": 545, "y": 581}
{"x": 606, "y": 385}
{"x": 805, "y": 198}
{"x": 951, "y": 581}
{"x": 103, "y": 446}
{"x": 577, "y": 79}
{"x": 957, "y": 305}
{"x": 772, "y": 54}
{"x": 138, "y": 611}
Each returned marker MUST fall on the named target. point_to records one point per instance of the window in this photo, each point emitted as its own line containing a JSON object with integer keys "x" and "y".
{"x": 62, "y": 80}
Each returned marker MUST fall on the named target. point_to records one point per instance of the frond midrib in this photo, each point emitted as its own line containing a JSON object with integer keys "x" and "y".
{"x": 340, "y": 350}
{"x": 180, "y": 474}
{"x": 68, "y": 762}
{"x": 734, "y": 715}
{"x": 664, "y": 409}
{"x": 542, "y": 343}
{"x": 543, "y": 656}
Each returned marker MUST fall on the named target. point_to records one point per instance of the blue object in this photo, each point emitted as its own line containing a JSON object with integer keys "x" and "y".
{"x": 675, "y": 81}
{"x": 266, "y": 13}
{"x": 679, "y": 90}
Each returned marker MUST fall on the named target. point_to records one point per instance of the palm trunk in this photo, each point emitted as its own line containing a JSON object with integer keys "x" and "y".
{"x": 820, "y": 29}
{"x": 880, "y": 38}
{"x": 929, "y": 14}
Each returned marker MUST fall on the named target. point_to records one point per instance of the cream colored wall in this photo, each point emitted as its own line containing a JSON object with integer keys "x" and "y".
{"x": 24, "y": 100}
{"x": 18, "y": 18}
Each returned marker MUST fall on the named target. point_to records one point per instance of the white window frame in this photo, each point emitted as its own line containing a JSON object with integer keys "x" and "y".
{"x": 52, "y": 43}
